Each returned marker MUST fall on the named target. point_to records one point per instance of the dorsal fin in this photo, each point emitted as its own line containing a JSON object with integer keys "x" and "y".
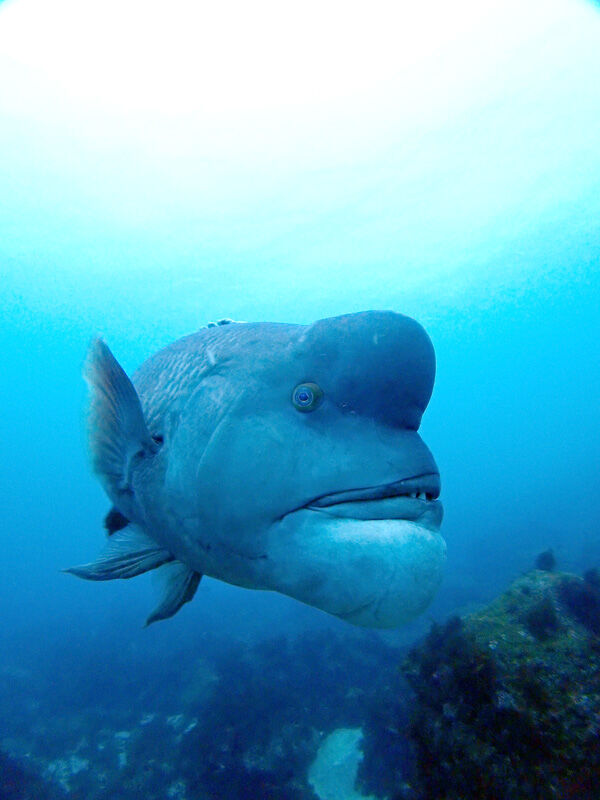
{"x": 117, "y": 429}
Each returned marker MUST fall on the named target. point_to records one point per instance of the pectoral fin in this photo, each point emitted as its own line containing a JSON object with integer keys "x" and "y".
{"x": 129, "y": 553}
{"x": 180, "y": 584}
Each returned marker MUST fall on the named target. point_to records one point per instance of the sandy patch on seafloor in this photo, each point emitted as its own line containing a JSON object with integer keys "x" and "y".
{"x": 333, "y": 772}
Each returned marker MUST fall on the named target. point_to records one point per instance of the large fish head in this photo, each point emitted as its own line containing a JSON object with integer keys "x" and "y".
{"x": 315, "y": 482}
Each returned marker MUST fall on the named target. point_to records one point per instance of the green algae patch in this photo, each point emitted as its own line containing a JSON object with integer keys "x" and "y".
{"x": 508, "y": 698}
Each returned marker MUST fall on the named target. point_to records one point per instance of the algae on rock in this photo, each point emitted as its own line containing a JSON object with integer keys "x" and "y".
{"x": 508, "y": 698}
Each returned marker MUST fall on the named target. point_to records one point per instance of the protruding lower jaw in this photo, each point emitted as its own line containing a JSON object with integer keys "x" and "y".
{"x": 427, "y": 513}
{"x": 375, "y": 572}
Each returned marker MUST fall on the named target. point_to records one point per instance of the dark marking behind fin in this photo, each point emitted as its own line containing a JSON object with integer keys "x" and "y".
{"x": 115, "y": 521}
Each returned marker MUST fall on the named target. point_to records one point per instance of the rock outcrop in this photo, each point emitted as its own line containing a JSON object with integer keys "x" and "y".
{"x": 508, "y": 698}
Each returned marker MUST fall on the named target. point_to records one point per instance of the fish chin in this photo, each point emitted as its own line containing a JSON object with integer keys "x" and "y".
{"x": 378, "y": 573}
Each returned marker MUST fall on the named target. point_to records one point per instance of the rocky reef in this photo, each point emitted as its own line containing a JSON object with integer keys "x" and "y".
{"x": 267, "y": 720}
{"x": 19, "y": 783}
{"x": 508, "y": 698}
{"x": 501, "y": 703}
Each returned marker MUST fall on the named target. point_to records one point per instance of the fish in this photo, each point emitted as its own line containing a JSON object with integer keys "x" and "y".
{"x": 274, "y": 456}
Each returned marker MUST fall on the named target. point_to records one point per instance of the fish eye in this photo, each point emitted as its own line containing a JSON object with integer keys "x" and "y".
{"x": 307, "y": 396}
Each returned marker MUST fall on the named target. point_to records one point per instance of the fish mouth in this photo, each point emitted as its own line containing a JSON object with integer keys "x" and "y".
{"x": 413, "y": 498}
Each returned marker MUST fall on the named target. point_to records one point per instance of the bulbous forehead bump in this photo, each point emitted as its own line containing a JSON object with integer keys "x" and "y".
{"x": 376, "y": 363}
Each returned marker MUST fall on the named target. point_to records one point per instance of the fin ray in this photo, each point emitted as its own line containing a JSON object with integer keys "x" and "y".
{"x": 129, "y": 553}
{"x": 117, "y": 429}
{"x": 180, "y": 587}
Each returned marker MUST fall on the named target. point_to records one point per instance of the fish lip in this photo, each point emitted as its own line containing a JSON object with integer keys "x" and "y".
{"x": 427, "y": 483}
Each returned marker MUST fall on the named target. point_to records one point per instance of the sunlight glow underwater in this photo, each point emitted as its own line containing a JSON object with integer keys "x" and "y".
{"x": 454, "y": 126}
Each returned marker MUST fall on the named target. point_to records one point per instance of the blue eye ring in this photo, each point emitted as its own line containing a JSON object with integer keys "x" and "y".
{"x": 307, "y": 397}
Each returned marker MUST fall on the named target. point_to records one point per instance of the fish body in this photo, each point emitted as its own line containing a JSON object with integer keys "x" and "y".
{"x": 275, "y": 456}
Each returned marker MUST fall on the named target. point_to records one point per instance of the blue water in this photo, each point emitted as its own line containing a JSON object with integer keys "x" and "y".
{"x": 451, "y": 174}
